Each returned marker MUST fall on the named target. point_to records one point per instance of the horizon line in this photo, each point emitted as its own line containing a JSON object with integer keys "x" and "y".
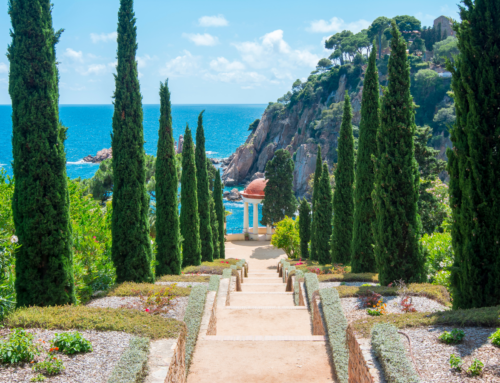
{"x": 171, "y": 104}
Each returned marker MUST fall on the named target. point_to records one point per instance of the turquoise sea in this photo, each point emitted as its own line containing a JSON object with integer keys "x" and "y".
{"x": 89, "y": 129}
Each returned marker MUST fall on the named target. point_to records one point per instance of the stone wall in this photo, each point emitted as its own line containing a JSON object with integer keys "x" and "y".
{"x": 318, "y": 327}
{"x": 177, "y": 367}
{"x": 358, "y": 369}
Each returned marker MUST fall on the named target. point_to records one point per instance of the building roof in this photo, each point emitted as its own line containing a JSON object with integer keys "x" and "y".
{"x": 255, "y": 189}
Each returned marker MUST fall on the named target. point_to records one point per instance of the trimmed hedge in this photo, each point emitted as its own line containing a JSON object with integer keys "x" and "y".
{"x": 213, "y": 285}
{"x": 192, "y": 317}
{"x": 392, "y": 354}
{"x": 336, "y": 326}
{"x": 312, "y": 285}
{"x": 296, "y": 297}
{"x": 133, "y": 364}
{"x": 227, "y": 273}
{"x": 183, "y": 278}
{"x": 349, "y": 277}
{"x": 132, "y": 289}
{"x": 290, "y": 269}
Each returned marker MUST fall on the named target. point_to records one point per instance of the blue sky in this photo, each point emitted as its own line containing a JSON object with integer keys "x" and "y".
{"x": 216, "y": 52}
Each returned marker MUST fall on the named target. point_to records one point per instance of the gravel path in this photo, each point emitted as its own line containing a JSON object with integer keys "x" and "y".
{"x": 91, "y": 367}
{"x": 432, "y": 356}
{"x": 325, "y": 285}
{"x": 175, "y": 310}
{"x": 353, "y": 310}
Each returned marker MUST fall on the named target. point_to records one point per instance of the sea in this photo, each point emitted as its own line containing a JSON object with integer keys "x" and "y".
{"x": 89, "y": 130}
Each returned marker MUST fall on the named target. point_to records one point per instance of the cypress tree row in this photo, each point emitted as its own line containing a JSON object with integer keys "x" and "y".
{"x": 397, "y": 224}
{"x": 343, "y": 203}
{"x": 214, "y": 225}
{"x": 323, "y": 218}
{"x": 317, "y": 177}
{"x": 207, "y": 251}
{"x": 131, "y": 249}
{"x": 304, "y": 227}
{"x": 473, "y": 164}
{"x": 189, "y": 220}
{"x": 362, "y": 254}
{"x": 44, "y": 262}
{"x": 168, "y": 254}
{"x": 221, "y": 214}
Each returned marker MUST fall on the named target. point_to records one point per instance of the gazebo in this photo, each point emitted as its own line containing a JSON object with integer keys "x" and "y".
{"x": 254, "y": 194}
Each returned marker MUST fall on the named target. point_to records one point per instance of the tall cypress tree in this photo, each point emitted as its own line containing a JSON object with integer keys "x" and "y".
{"x": 44, "y": 262}
{"x": 304, "y": 227}
{"x": 395, "y": 196}
{"x": 131, "y": 249}
{"x": 323, "y": 218}
{"x": 214, "y": 225}
{"x": 473, "y": 164}
{"x": 168, "y": 254}
{"x": 221, "y": 214}
{"x": 343, "y": 203}
{"x": 317, "y": 177}
{"x": 207, "y": 251}
{"x": 189, "y": 220}
{"x": 362, "y": 254}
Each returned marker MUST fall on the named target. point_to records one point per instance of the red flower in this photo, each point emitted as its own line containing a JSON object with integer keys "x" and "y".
{"x": 147, "y": 310}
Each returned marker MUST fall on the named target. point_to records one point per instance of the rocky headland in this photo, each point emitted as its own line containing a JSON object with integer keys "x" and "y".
{"x": 101, "y": 155}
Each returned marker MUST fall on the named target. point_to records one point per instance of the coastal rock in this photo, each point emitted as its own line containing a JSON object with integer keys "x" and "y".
{"x": 101, "y": 155}
{"x": 257, "y": 176}
{"x": 214, "y": 161}
{"x": 225, "y": 194}
{"x": 180, "y": 145}
{"x": 266, "y": 154}
{"x": 240, "y": 165}
{"x": 234, "y": 195}
{"x": 305, "y": 165}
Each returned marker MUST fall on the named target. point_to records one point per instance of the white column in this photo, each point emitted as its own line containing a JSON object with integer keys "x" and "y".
{"x": 256, "y": 220}
{"x": 269, "y": 232}
{"x": 245, "y": 217}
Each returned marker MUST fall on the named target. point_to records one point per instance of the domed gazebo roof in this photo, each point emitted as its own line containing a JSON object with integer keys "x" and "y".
{"x": 255, "y": 189}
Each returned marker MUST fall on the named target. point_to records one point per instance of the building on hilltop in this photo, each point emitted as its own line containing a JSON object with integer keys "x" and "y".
{"x": 446, "y": 25}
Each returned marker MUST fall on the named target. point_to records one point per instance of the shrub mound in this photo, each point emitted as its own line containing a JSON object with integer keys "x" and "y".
{"x": 132, "y": 289}
{"x": 215, "y": 267}
{"x": 132, "y": 366}
{"x": 214, "y": 283}
{"x": 183, "y": 278}
{"x": 312, "y": 285}
{"x": 349, "y": 277}
{"x": 192, "y": 317}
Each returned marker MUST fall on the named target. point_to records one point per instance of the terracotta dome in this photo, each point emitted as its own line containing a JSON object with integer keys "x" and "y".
{"x": 255, "y": 189}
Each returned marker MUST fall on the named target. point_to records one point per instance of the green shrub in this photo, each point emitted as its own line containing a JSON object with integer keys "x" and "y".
{"x": 392, "y": 354}
{"x": 453, "y": 337}
{"x": 227, "y": 273}
{"x": 38, "y": 378}
{"x": 312, "y": 285}
{"x": 183, "y": 278}
{"x": 192, "y": 317}
{"x": 455, "y": 362}
{"x": 439, "y": 257}
{"x": 71, "y": 343}
{"x": 476, "y": 368}
{"x": 49, "y": 366}
{"x": 19, "y": 347}
{"x": 132, "y": 289}
{"x": 349, "y": 277}
{"x": 336, "y": 326}
{"x": 287, "y": 237}
{"x": 495, "y": 338}
{"x": 214, "y": 283}
{"x": 132, "y": 366}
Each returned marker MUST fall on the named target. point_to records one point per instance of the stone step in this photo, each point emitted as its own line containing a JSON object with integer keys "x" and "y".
{"x": 257, "y": 292}
{"x": 262, "y": 281}
{"x": 277, "y": 287}
{"x": 270, "y": 307}
{"x": 242, "y": 299}
{"x": 266, "y": 338}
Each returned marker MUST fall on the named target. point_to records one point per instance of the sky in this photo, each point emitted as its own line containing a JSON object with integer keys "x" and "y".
{"x": 212, "y": 52}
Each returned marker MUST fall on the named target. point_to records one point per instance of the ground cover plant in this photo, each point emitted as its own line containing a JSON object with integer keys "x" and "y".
{"x": 214, "y": 283}
{"x": 184, "y": 278}
{"x": 20, "y": 347}
{"x": 215, "y": 267}
{"x": 312, "y": 285}
{"x": 495, "y": 338}
{"x": 132, "y": 366}
{"x": 453, "y": 337}
{"x": 71, "y": 343}
{"x": 49, "y": 366}
{"x": 131, "y": 289}
{"x": 192, "y": 317}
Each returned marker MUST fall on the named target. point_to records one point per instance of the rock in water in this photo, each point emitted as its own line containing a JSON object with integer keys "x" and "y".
{"x": 180, "y": 145}
{"x": 101, "y": 155}
{"x": 234, "y": 195}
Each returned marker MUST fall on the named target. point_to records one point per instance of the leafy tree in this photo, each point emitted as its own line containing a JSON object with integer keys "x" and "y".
{"x": 40, "y": 205}
{"x": 343, "y": 203}
{"x": 323, "y": 218}
{"x": 317, "y": 177}
{"x": 473, "y": 162}
{"x": 362, "y": 255}
{"x": 444, "y": 119}
{"x": 279, "y": 200}
{"x": 131, "y": 243}
{"x": 304, "y": 227}
{"x": 253, "y": 126}
{"x": 358, "y": 59}
{"x": 417, "y": 45}
{"x": 207, "y": 251}
{"x": 335, "y": 43}
{"x": 324, "y": 64}
{"x": 397, "y": 226}
{"x": 446, "y": 49}
{"x": 430, "y": 208}
{"x": 189, "y": 219}
{"x": 428, "y": 90}
{"x": 296, "y": 86}
{"x": 407, "y": 25}
{"x": 286, "y": 236}
{"x": 214, "y": 225}
{"x": 377, "y": 29}
{"x": 168, "y": 254}
{"x": 221, "y": 215}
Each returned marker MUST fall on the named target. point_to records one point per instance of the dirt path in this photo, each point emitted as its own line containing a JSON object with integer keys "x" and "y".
{"x": 261, "y": 336}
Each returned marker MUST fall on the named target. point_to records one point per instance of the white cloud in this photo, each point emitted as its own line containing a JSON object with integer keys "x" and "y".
{"x": 74, "y": 55}
{"x": 3, "y": 68}
{"x": 98, "y": 69}
{"x": 213, "y": 21}
{"x": 336, "y": 24}
{"x": 202, "y": 39}
{"x": 104, "y": 37}
{"x": 143, "y": 61}
{"x": 237, "y": 77}
{"x": 425, "y": 17}
{"x": 181, "y": 66}
{"x": 221, "y": 64}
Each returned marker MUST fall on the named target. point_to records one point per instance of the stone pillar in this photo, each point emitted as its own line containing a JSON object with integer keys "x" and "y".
{"x": 269, "y": 232}
{"x": 245, "y": 217}
{"x": 256, "y": 220}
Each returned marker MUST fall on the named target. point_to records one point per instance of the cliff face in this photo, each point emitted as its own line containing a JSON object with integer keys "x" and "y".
{"x": 298, "y": 129}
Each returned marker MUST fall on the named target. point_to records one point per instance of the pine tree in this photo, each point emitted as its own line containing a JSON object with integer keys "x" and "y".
{"x": 221, "y": 214}
{"x": 189, "y": 220}
{"x": 279, "y": 200}
{"x": 304, "y": 227}
{"x": 362, "y": 254}
{"x": 207, "y": 251}
{"x": 44, "y": 262}
{"x": 214, "y": 225}
{"x": 131, "y": 249}
{"x": 168, "y": 254}
{"x": 343, "y": 203}
{"x": 323, "y": 218}
{"x": 473, "y": 164}
{"x": 397, "y": 225}
{"x": 317, "y": 177}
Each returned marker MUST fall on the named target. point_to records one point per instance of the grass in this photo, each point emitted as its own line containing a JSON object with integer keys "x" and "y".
{"x": 131, "y": 289}
{"x": 92, "y": 318}
{"x": 483, "y": 317}
{"x": 184, "y": 278}
{"x": 349, "y": 277}
{"x": 133, "y": 364}
{"x": 215, "y": 267}
{"x": 435, "y": 292}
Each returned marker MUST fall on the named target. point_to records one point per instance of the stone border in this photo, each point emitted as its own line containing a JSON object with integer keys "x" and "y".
{"x": 167, "y": 363}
